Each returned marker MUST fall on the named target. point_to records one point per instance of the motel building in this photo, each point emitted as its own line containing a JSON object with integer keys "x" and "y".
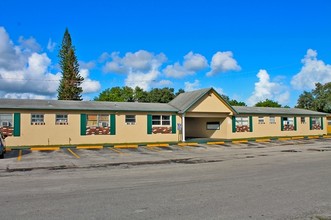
{"x": 197, "y": 114}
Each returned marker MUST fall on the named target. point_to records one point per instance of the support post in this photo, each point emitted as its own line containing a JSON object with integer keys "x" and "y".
{"x": 183, "y": 127}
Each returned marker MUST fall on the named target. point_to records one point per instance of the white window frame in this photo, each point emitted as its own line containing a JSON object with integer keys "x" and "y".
{"x": 242, "y": 121}
{"x": 99, "y": 122}
{"x": 130, "y": 119}
{"x": 6, "y": 120}
{"x": 213, "y": 125}
{"x": 37, "y": 119}
{"x": 61, "y": 119}
{"x": 272, "y": 120}
{"x": 288, "y": 121}
{"x": 261, "y": 120}
{"x": 303, "y": 121}
{"x": 161, "y": 120}
{"x": 316, "y": 120}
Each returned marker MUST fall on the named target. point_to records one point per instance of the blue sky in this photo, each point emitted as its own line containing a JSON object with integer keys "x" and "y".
{"x": 248, "y": 50}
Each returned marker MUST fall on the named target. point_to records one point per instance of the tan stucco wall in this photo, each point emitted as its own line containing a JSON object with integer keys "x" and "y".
{"x": 52, "y": 134}
{"x": 210, "y": 103}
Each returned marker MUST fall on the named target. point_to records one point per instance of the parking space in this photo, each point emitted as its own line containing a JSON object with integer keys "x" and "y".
{"x": 84, "y": 156}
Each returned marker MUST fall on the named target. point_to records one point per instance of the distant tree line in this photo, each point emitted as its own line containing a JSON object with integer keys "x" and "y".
{"x": 318, "y": 99}
{"x": 164, "y": 95}
{"x": 128, "y": 94}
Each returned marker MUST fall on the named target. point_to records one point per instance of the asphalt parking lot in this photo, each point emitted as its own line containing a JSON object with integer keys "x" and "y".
{"x": 283, "y": 179}
{"x": 98, "y": 156}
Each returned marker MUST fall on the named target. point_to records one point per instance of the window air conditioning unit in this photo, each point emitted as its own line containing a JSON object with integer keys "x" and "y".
{"x": 130, "y": 123}
{"x": 104, "y": 124}
{"x": 5, "y": 124}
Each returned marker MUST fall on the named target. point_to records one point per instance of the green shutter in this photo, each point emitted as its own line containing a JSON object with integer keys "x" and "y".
{"x": 83, "y": 124}
{"x": 310, "y": 123}
{"x": 173, "y": 124}
{"x": 234, "y": 129}
{"x": 322, "y": 123}
{"x": 112, "y": 124}
{"x": 149, "y": 124}
{"x": 17, "y": 124}
{"x": 281, "y": 123}
{"x": 295, "y": 123}
{"x": 251, "y": 123}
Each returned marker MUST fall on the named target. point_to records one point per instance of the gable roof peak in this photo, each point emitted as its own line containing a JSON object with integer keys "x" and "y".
{"x": 186, "y": 100}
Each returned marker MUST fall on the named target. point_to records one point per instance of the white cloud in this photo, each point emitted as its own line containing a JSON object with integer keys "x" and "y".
{"x": 86, "y": 65}
{"x": 11, "y": 57}
{"x": 29, "y": 45}
{"x": 192, "y": 86}
{"x": 265, "y": 89}
{"x": 89, "y": 85}
{"x": 116, "y": 65}
{"x": 25, "y": 96}
{"x": 51, "y": 45}
{"x": 176, "y": 71}
{"x": 141, "y": 67}
{"x": 143, "y": 61}
{"x": 38, "y": 64}
{"x": 33, "y": 80}
{"x": 140, "y": 61}
{"x": 163, "y": 83}
{"x": 193, "y": 62}
{"x": 143, "y": 80}
{"x": 223, "y": 62}
{"x": 24, "y": 73}
{"x": 312, "y": 71}
{"x": 104, "y": 56}
{"x": 219, "y": 90}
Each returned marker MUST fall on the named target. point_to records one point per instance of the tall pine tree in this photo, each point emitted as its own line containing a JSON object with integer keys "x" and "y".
{"x": 69, "y": 88}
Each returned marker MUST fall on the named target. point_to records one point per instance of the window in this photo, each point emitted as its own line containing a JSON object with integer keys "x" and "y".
{"x": 329, "y": 122}
{"x": 316, "y": 121}
{"x": 165, "y": 119}
{"x": 288, "y": 121}
{"x": 213, "y": 125}
{"x": 241, "y": 121}
{"x": 94, "y": 120}
{"x": 272, "y": 120}
{"x": 156, "y": 120}
{"x": 303, "y": 120}
{"x": 6, "y": 120}
{"x": 261, "y": 120}
{"x": 130, "y": 119}
{"x": 242, "y": 124}
{"x": 160, "y": 119}
{"x": 61, "y": 119}
{"x": 288, "y": 124}
{"x": 37, "y": 119}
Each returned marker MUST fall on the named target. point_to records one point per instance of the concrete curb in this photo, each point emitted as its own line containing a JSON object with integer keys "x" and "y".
{"x": 126, "y": 146}
{"x": 186, "y": 160}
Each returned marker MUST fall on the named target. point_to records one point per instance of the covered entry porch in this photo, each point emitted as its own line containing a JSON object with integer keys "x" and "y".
{"x": 205, "y": 125}
{"x": 204, "y": 114}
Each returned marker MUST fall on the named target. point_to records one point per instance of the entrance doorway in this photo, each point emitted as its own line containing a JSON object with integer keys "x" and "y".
{"x": 205, "y": 127}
